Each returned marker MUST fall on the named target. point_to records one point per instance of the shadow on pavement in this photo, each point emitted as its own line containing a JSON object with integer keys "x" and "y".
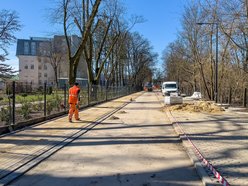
{"x": 155, "y": 178}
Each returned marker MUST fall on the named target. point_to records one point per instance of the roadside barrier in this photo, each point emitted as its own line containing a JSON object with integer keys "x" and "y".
{"x": 220, "y": 178}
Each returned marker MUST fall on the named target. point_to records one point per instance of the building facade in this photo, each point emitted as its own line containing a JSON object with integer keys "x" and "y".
{"x": 38, "y": 58}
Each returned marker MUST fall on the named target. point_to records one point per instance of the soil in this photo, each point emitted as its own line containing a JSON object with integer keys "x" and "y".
{"x": 200, "y": 106}
{"x": 122, "y": 112}
{"x": 113, "y": 118}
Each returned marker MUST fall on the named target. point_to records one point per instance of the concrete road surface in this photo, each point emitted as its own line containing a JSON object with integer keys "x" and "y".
{"x": 136, "y": 147}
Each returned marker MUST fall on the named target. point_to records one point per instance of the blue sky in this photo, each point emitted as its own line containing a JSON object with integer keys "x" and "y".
{"x": 161, "y": 26}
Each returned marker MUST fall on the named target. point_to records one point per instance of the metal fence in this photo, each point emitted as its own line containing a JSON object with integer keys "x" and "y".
{"x": 234, "y": 97}
{"x": 22, "y": 102}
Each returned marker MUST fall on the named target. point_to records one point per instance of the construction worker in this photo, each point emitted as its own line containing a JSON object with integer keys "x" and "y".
{"x": 74, "y": 102}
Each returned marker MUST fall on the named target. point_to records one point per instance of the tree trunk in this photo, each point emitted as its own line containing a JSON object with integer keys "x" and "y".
{"x": 56, "y": 76}
{"x": 204, "y": 82}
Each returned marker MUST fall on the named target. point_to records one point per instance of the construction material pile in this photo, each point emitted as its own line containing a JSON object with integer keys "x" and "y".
{"x": 200, "y": 106}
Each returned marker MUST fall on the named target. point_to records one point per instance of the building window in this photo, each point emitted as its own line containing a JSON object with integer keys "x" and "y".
{"x": 33, "y": 48}
{"x": 26, "y": 48}
{"x": 40, "y": 82}
{"x": 40, "y": 67}
{"x": 39, "y": 74}
{"x": 32, "y": 67}
{"x": 26, "y": 67}
{"x": 45, "y": 75}
{"x": 45, "y": 67}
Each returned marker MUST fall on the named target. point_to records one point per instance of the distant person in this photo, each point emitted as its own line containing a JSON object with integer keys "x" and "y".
{"x": 74, "y": 101}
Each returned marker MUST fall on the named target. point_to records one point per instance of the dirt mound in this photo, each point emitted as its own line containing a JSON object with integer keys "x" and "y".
{"x": 122, "y": 112}
{"x": 201, "y": 106}
{"x": 113, "y": 118}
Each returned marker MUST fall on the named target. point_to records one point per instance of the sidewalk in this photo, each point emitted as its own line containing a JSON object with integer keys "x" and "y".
{"x": 222, "y": 139}
{"x": 21, "y": 147}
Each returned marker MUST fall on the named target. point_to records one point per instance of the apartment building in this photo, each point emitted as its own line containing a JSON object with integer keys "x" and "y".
{"x": 35, "y": 60}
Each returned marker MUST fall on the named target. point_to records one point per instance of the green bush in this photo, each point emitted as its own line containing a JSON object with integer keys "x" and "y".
{"x": 37, "y": 103}
{"x": 24, "y": 95}
{"x": 57, "y": 102}
{"x": 25, "y": 109}
{"x": 50, "y": 90}
{"x": 54, "y": 103}
{"x": 49, "y": 107}
{"x": 5, "y": 114}
{"x": 40, "y": 103}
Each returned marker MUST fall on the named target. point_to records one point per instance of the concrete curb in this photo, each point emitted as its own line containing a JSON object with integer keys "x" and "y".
{"x": 200, "y": 168}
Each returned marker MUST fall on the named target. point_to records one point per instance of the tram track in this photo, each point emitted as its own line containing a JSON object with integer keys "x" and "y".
{"x": 37, "y": 157}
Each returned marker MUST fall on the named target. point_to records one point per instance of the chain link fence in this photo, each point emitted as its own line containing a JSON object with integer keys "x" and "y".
{"x": 24, "y": 103}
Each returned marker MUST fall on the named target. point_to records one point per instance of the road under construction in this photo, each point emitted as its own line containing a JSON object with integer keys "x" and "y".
{"x": 126, "y": 141}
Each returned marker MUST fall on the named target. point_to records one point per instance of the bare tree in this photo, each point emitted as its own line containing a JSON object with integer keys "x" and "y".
{"x": 55, "y": 54}
{"x": 77, "y": 18}
{"x": 234, "y": 24}
{"x": 142, "y": 60}
{"x": 117, "y": 68}
{"x": 192, "y": 55}
{"x": 104, "y": 42}
{"x": 9, "y": 24}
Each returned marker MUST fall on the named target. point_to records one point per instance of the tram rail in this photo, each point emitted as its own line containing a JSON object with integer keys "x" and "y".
{"x": 32, "y": 160}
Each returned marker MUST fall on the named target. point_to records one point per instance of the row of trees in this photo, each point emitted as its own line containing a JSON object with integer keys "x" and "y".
{"x": 190, "y": 59}
{"x": 106, "y": 43}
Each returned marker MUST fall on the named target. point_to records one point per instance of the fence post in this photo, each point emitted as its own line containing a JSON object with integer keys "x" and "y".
{"x": 244, "y": 98}
{"x": 88, "y": 92}
{"x": 65, "y": 97}
{"x": 45, "y": 87}
{"x": 13, "y": 102}
{"x": 230, "y": 96}
{"x": 106, "y": 93}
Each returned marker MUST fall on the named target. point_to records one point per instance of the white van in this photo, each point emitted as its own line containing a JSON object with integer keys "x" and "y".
{"x": 169, "y": 87}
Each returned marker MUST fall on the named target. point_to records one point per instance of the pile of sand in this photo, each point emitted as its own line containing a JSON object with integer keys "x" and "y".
{"x": 201, "y": 106}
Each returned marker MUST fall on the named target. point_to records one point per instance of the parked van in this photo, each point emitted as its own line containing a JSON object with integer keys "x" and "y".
{"x": 169, "y": 87}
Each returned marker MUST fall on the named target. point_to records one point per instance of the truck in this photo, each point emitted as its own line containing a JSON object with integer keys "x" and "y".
{"x": 148, "y": 87}
{"x": 169, "y": 87}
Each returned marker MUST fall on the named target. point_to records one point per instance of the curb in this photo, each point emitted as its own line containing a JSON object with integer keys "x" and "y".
{"x": 200, "y": 168}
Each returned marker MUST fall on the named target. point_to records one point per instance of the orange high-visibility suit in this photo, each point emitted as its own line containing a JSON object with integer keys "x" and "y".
{"x": 73, "y": 101}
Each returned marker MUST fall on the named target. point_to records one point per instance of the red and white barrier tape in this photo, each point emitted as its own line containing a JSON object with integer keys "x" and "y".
{"x": 209, "y": 165}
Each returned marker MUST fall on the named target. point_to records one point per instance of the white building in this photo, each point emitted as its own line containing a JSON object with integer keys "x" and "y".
{"x": 35, "y": 62}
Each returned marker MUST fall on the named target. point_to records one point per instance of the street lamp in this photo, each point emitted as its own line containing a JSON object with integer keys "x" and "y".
{"x": 216, "y": 58}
